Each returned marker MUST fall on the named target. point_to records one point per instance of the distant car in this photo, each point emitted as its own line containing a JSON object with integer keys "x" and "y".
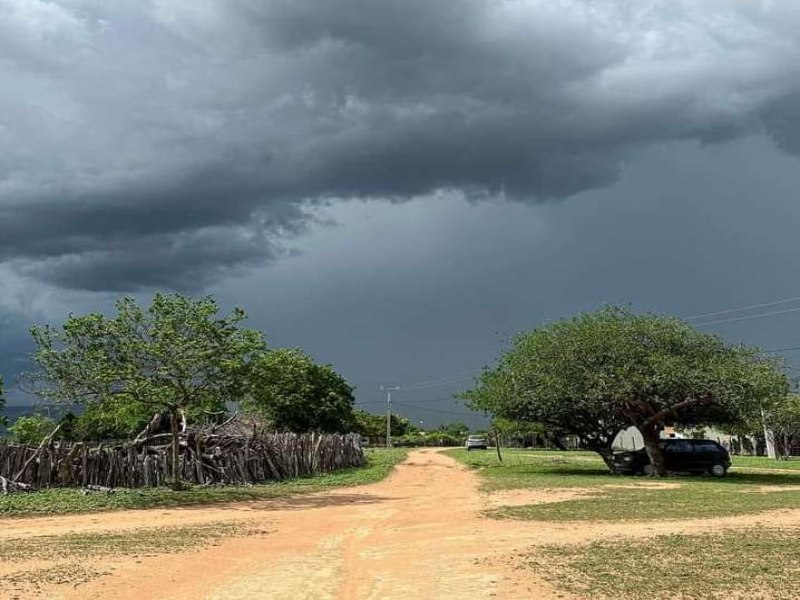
{"x": 680, "y": 456}
{"x": 476, "y": 442}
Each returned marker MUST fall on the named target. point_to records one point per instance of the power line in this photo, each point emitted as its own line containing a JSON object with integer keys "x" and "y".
{"x": 438, "y": 384}
{"x": 758, "y": 316}
{"x": 741, "y": 308}
{"x": 419, "y": 401}
{"x": 446, "y": 412}
{"x": 426, "y": 400}
{"x": 438, "y": 381}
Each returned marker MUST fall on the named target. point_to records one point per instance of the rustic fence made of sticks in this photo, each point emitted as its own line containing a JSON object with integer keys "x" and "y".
{"x": 204, "y": 459}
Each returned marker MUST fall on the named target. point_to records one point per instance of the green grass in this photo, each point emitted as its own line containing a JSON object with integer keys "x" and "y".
{"x": 525, "y": 469}
{"x": 690, "y": 501}
{"x": 65, "y": 501}
{"x": 762, "y": 462}
{"x": 148, "y": 541}
{"x": 67, "y": 554}
{"x": 752, "y": 563}
{"x": 696, "y": 497}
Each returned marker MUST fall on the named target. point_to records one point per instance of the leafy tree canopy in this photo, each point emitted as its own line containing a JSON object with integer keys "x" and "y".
{"x": 373, "y": 426}
{"x": 297, "y": 394}
{"x": 178, "y": 354}
{"x": 31, "y": 429}
{"x": 598, "y": 372}
{"x": 115, "y": 419}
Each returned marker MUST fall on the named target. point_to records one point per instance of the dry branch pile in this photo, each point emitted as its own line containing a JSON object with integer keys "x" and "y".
{"x": 206, "y": 458}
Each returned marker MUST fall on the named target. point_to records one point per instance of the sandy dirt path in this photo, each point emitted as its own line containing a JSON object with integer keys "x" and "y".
{"x": 417, "y": 534}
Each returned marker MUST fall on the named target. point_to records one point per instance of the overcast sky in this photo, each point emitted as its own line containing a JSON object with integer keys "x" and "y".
{"x": 398, "y": 186}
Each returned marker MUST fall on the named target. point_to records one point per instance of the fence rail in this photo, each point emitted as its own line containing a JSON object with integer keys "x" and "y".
{"x": 204, "y": 459}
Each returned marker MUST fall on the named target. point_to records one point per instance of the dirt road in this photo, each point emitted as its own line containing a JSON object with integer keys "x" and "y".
{"x": 418, "y": 534}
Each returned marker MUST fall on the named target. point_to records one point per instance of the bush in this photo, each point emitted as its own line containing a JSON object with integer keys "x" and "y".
{"x": 31, "y": 429}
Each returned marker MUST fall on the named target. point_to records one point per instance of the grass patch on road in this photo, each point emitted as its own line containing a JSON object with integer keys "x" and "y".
{"x": 137, "y": 542}
{"x": 752, "y": 563}
{"x": 68, "y": 556}
{"x": 694, "y": 497}
{"x": 66, "y": 501}
{"x": 21, "y": 583}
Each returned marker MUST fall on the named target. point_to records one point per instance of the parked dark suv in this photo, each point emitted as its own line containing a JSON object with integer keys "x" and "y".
{"x": 681, "y": 456}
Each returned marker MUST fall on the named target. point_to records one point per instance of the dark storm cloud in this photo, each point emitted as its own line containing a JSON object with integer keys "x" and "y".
{"x": 157, "y": 144}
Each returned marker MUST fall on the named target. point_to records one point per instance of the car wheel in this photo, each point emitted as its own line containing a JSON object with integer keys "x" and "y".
{"x": 718, "y": 470}
{"x": 648, "y": 470}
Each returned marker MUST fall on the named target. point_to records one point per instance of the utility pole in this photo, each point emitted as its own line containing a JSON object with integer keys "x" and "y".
{"x": 389, "y": 390}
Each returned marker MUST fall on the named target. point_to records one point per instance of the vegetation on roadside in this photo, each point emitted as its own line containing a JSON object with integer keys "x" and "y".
{"x": 145, "y": 541}
{"x": 691, "y": 500}
{"x": 31, "y": 429}
{"x": 67, "y": 553}
{"x": 606, "y": 497}
{"x": 764, "y": 463}
{"x": 63, "y": 501}
{"x": 21, "y": 583}
{"x": 750, "y": 563}
{"x": 535, "y": 469}
{"x": 296, "y": 394}
{"x": 598, "y": 373}
{"x": 178, "y": 356}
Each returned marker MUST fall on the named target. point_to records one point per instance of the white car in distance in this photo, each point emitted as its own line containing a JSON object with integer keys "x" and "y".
{"x": 476, "y": 442}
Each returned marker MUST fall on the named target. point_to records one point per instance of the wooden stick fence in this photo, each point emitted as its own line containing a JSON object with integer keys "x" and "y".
{"x": 204, "y": 459}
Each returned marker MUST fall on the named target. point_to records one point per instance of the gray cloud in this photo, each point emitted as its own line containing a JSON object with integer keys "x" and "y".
{"x": 159, "y": 144}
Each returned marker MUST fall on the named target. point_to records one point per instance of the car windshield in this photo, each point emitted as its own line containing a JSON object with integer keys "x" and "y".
{"x": 475, "y": 438}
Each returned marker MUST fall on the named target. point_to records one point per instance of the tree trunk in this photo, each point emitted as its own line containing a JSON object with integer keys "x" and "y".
{"x": 176, "y": 466}
{"x": 497, "y": 445}
{"x": 769, "y": 437}
{"x": 654, "y": 453}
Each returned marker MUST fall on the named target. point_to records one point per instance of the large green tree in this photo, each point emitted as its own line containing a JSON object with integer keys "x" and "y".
{"x": 294, "y": 393}
{"x": 518, "y": 390}
{"x": 176, "y": 355}
{"x": 599, "y": 372}
{"x": 373, "y": 427}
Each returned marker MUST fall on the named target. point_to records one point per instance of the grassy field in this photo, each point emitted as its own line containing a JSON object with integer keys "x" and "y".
{"x": 65, "y": 501}
{"x": 762, "y": 462}
{"x": 728, "y": 563}
{"x": 750, "y": 563}
{"x": 604, "y": 500}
